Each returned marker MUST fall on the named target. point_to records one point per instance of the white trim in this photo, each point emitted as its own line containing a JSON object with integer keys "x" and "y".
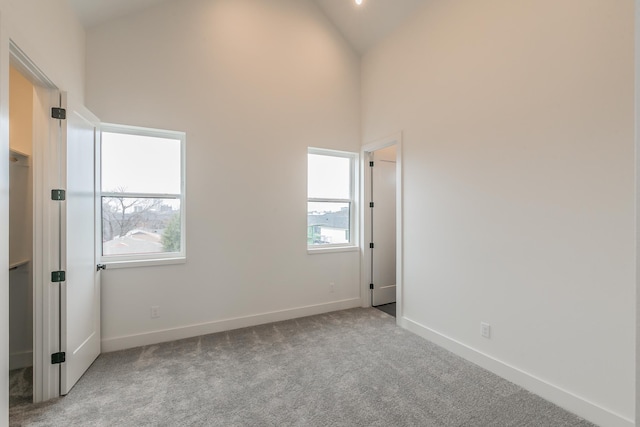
{"x": 320, "y": 200}
{"x": 140, "y": 195}
{"x": 354, "y": 201}
{"x": 326, "y": 249}
{"x": 330, "y": 152}
{"x": 365, "y": 262}
{"x": 155, "y": 337}
{"x": 112, "y": 265}
{"x": 28, "y": 68}
{"x": 563, "y": 398}
{"x": 137, "y": 130}
{"x": 138, "y": 260}
{"x": 46, "y": 244}
{"x": 148, "y": 259}
{"x": 637, "y": 203}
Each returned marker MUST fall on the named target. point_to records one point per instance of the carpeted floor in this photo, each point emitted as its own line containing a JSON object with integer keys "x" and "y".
{"x": 348, "y": 368}
{"x": 21, "y": 386}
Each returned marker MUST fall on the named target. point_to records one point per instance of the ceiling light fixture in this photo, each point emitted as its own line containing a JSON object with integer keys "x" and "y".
{"x": 358, "y": 2}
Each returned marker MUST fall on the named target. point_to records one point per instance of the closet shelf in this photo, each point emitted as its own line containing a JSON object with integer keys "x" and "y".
{"x": 17, "y": 264}
{"x": 18, "y": 157}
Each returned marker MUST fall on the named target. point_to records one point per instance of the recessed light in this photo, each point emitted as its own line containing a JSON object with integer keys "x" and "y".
{"x": 358, "y": 2}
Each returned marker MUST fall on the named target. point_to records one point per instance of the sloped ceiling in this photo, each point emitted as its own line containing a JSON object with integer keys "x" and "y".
{"x": 94, "y": 12}
{"x": 363, "y": 26}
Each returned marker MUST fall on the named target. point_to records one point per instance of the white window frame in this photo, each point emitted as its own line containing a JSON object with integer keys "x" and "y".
{"x": 144, "y": 259}
{"x": 352, "y": 245}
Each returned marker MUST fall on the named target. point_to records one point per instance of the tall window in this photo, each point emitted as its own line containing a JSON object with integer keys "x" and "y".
{"x": 142, "y": 193}
{"x": 331, "y": 198}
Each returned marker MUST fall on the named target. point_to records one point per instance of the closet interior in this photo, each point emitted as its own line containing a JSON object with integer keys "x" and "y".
{"x": 20, "y": 238}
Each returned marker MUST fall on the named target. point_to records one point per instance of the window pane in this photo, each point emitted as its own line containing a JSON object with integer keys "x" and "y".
{"x": 329, "y": 177}
{"x": 140, "y": 225}
{"x": 328, "y": 223}
{"x": 140, "y": 164}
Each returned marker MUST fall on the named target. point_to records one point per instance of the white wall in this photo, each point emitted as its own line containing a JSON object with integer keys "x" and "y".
{"x": 253, "y": 84}
{"x": 637, "y": 119}
{"x": 50, "y": 35}
{"x": 518, "y": 159}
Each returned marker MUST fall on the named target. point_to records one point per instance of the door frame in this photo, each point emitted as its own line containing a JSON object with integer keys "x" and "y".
{"x": 365, "y": 219}
{"x": 46, "y": 219}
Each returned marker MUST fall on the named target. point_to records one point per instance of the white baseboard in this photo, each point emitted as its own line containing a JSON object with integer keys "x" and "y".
{"x": 20, "y": 360}
{"x": 565, "y": 399}
{"x": 155, "y": 337}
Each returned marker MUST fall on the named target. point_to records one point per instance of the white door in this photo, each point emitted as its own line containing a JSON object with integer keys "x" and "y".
{"x": 383, "y": 229}
{"x": 80, "y": 294}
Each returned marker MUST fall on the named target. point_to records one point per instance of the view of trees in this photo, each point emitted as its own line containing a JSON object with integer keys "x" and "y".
{"x": 141, "y": 184}
{"x": 171, "y": 235}
{"x": 121, "y": 215}
{"x": 155, "y": 223}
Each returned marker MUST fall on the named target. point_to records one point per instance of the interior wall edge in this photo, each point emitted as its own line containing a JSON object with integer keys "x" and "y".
{"x": 4, "y": 219}
{"x": 172, "y": 334}
{"x": 563, "y": 398}
{"x": 21, "y": 62}
{"x": 637, "y": 201}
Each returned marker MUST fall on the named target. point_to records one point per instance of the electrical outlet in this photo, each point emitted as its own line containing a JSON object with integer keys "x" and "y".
{"x": 332, "y": 287}
{"x": 485, "y": 330}
{"x": 155, "y": 312}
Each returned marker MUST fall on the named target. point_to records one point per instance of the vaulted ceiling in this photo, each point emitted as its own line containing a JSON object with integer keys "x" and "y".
{"x": 365, "y": 25}
{"x": 362, "y": 26}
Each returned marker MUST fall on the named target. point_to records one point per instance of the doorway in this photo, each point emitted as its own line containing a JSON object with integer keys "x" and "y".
{"x": 36, "y": 326}
{"x": 382, "y": 220}
{"x": 64, "y": 284}
{"x": 20, "y": 238}
{"x": 60, "y": 227}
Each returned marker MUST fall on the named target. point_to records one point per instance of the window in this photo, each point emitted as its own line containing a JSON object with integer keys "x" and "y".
{"x": 331, "y": 199}
{"x": 142, "y": 194}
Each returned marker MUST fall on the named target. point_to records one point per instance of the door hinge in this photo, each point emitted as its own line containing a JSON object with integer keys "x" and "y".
{"x": 57, "y": 358}
{"x": 371, "y": 204}
{"x": 58, "y": 113}
{"x": 58, "y": 276}
{"x": 370, "y": 164}
{"x": 370, "y": 285}
{"x": 58, "y": 195}
{"x": 371, "y": 245}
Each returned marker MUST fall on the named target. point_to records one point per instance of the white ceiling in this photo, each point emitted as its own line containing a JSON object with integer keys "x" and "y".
{"x": 363, "y": 26}
{"x": 94, "y": 12}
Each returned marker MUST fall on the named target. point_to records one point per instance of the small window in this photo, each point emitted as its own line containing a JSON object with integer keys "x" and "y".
{"x": 142, "y": 193}
{"x": 330, "y": 198}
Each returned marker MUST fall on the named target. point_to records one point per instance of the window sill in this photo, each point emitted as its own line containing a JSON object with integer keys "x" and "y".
{"x": 113, "y": 265}
{"x": 332, "y": 249}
